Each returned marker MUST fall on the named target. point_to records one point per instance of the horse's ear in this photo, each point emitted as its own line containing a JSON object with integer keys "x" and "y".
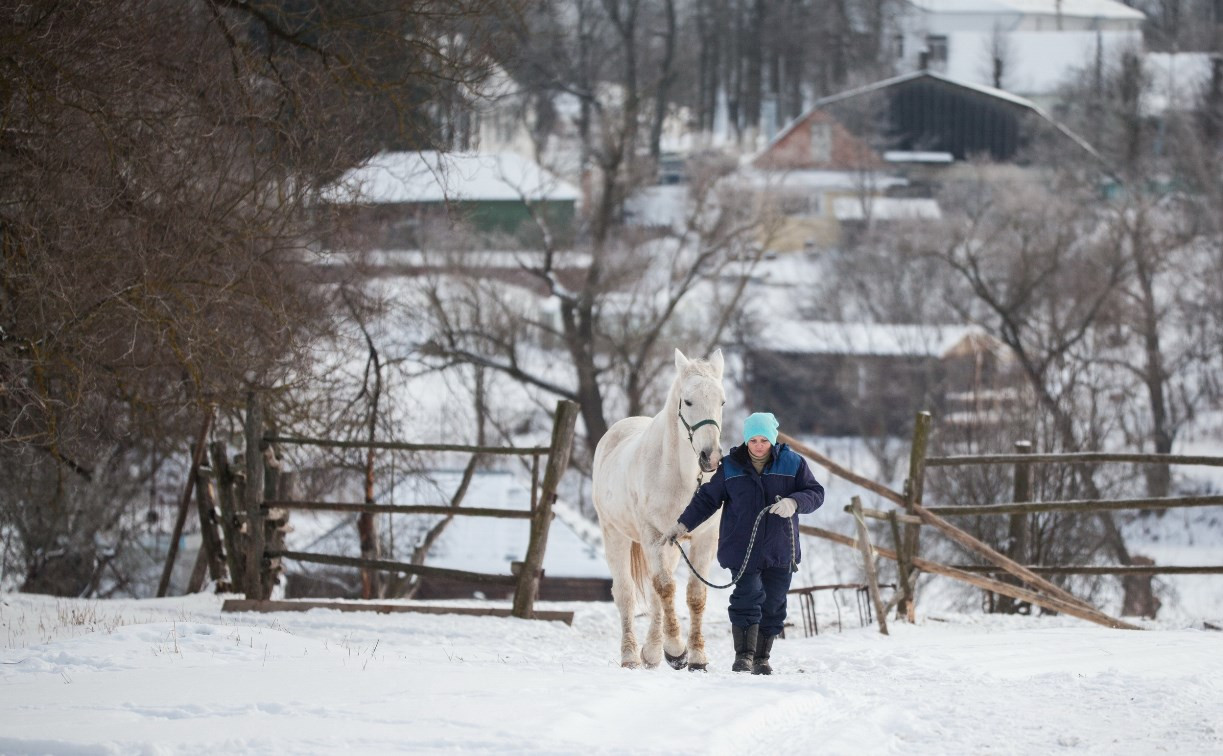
{"x": 715, "y": 359}
{"x": 681, "y": 361}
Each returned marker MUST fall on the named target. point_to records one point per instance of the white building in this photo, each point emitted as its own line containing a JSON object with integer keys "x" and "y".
{"x": 1023, "y": 46}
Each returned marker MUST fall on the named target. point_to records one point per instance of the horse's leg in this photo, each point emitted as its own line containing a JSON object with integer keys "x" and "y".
{"x": 664, "y": 634}
{"x": 703, "y": 549}
{"x": 617, "y": 547}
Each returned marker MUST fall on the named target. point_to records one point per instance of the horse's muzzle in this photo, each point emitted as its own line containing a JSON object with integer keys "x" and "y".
{"x": 707, "y": 464}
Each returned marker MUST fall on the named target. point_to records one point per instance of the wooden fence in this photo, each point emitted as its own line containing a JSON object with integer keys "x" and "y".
{"x": 1024, "y": 582}
{"x": 244, "y": 525}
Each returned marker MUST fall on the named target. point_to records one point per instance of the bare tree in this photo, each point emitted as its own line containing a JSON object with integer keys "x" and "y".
{"x": 159, "y": 163}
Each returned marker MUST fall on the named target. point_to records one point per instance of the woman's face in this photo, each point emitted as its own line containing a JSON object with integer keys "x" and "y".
{"x": 758, "y": 446}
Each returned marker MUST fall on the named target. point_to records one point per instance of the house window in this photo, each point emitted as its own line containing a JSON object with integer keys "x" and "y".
{"x": 800, "y": 204}
{"x": 936, "y": 49}
{"x": 898, "y": 46}
{"x": 821, "y": 142}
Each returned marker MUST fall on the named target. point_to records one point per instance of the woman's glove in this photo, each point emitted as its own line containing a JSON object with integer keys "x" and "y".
{"x": 677, "y": 530}
{"x": 784, "y": 507}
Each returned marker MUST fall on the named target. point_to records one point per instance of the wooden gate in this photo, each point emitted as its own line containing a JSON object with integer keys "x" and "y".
{"x": 262, "y": 504}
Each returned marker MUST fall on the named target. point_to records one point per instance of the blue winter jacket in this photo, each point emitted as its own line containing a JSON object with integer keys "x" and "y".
{"x": 741, "y": 492}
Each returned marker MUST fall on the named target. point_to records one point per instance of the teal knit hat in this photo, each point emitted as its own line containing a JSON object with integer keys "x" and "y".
{"x": 760, "y": 424}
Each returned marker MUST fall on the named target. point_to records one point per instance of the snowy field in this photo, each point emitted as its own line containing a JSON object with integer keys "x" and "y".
{"x": 176, "y": 676}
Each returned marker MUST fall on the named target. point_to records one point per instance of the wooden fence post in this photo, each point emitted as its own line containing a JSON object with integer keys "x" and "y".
{"x": 1017, "y": 529}
{"x": 253, "y": 498}
{"x": 906, "y": 608}
{"x": 235, "y": 554}
{"x": 197, "y": 454}
{"x": 558, "y": 461}
{"x": 210, "y": 539}
{"x": 868, "y": 558}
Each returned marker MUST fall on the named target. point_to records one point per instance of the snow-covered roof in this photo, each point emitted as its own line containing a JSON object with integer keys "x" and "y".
{"x": 1076, "y": 8}
{"x": 429, "y": 176}
{"x": 866, "y": 339}
{"x": 918, "y": 156}
{"x": 994, "y": 92}
{"x": 886, "y": 208}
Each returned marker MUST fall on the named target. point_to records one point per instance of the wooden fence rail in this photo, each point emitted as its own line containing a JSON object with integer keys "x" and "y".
{"x": 524, "y": 451}
{"x": 416, "y": 509}
{"x": 1080, "y": 505}
{"x": 255, "y": 502}
{"x": 1073, "y": 458}
{"x": 394, "y": 566}
{"x": 1092, "y": 569}
{"x": 1020, "y": 582}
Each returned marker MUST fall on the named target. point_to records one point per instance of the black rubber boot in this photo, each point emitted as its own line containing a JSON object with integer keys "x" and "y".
{"x": 760, "y": 663}
{"x": 745, "y": 646}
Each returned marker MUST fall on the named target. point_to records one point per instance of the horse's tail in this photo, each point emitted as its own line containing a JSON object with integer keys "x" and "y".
{"x": 639, "y": 568}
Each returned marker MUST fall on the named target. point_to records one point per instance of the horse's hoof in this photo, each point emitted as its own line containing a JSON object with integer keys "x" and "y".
{"x": 629, "y": 665}
{"x": 698, "y": 667}
{"x": 677, "y": 662}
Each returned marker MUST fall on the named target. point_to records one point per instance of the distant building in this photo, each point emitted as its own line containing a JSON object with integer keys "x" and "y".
{"x": 858, "y": 379}
{"x": 926, "y": 118}
{"x": 878, "y": 153}
{"x": 394, "y": 198}
{"x": 1022, "y": 46}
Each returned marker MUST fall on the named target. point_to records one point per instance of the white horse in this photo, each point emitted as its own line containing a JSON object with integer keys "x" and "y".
{"x": 645, "y": 472}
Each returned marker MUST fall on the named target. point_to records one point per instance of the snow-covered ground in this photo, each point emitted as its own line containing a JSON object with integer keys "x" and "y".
{"x": 178, "y": 676}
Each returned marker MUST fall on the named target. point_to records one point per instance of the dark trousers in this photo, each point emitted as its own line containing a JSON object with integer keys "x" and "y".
{"x": 759, "y": 598}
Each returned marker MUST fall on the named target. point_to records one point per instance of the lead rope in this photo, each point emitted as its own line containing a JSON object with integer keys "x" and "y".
{"x": 746, "y": 557}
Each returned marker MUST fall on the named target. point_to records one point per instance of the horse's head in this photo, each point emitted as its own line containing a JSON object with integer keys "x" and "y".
{"x": 701, "y": 397}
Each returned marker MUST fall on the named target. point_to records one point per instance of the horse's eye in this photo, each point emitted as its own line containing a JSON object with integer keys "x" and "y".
{"x": 723, "y": 402}
{"x": 687, "y": 402}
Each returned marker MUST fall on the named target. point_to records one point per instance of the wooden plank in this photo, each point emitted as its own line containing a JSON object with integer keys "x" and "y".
{"x": 972, "y": 543}
{"x": 197, "y": 455}
{"x": 876, "y": 514}
{"x": 1049, "y": 602}
{"x": 211, "y": 544}
{"x": 247, "y": 605}
{"x": 1032, "y": 597}
{"x": 228, "y": 515}
{"x": 1073, "y": 457}
{"x": 835, "y": 587}
{"x": 252, "y": 497}
{"x": 1018, "y": 523}
{"x": 844, "y": 540}
{"x": 915, "y": 486}
{"x": 563, "y": 426}
{"x": 390, "y": 566}
{"x": 401, "y": 446}
{"x": 904, "y": 574}
{"x": 868, "y": 559}
{"x": 1086, "y": 505}
{"x": 420, "y": 509}
{"x": 1092, "y": 569}
{"x": 841, "y": 472}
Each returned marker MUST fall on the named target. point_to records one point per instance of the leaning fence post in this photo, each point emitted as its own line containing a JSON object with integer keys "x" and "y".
{"x": 197, "y": 456}
{"x": 228, "y": 517}
{"x": 253, "y": 497}
{"x": 868, "y": 558}
{"x": 210, "y": 539}
{"x": 558, "y": 461}
{"x": 913, "y": 498}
